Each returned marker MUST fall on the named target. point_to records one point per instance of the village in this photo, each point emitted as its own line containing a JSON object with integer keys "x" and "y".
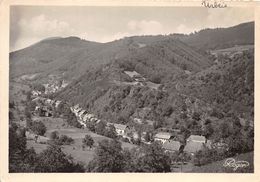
{"x": 172, "y": 141}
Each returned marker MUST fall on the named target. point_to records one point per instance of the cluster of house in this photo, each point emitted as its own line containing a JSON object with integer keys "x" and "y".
{"x": 122, "y": 130}
{"x": 193, "y": 144}
{"x": 44, "y": 106}
{"x": 54, "y": 87}
{"x": 36, "y": 93}
{"x": 83, "y": 116}
{"x": 143, "y": 121}
{"x": 138, "y": 78}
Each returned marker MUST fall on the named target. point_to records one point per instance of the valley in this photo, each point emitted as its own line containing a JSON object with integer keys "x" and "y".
{"x": 190, "y": 102}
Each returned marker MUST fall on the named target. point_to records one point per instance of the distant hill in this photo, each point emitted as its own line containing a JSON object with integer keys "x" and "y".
{"x": 219, "y": 38}
{"x": 47, "y": 55}
{"x": 71, "y": 56}
{"x": 158, "y": 61}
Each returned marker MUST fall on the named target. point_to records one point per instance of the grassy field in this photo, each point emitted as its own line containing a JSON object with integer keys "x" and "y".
{"x": 233, "y": 49}
{"x": 75, "y": 150}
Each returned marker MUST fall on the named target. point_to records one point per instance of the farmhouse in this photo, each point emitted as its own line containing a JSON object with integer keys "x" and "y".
{"x": 131, "y": 73}
{"x": 74, "y": 108}
{"x": 57, "y": 103}
{"x": 172, "y": 146}
{"x": 88, "y": 117}
{"x": 48, "y": 101}
{"x": 193, "y": 147}
{"x": 81, "y": 113}
{"x": 45, "y": 111}
{"x": 36, "y": 99}
{"x": 195, "y": 143}
{"x": 121, "y": 129}
{"x": 138, "y": 120}
{"x": 163, "y": 137}
{"x": 77, "y": 111}
{"x": 196, "y": 138}
{"x": 36, "y": 93}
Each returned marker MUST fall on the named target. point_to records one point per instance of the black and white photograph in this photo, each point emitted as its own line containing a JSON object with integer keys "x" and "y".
{"x": 131, "y": 89}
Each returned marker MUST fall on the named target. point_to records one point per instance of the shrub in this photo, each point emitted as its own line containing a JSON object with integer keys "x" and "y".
{"x": 87, "y": 141}
{"x": 38, "y": 127}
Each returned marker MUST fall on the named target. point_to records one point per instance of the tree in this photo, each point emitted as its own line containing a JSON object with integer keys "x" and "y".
{"x": 38, "y": 87}
{"x": 11, "y": 115}
{"x": 196, "y": 116}
{"x": 147, "y": 137}
{"x": 54, "y": 135}
{"x": 209, "y": 130}
{"x": 108, "y": 157}
{"x": 38, "y": 128}
{"x": 100, "y": 128}
{"x": 167, "y": 111}
{"x": 21, "y": 159}
{"x": 87, "y": 141}
{"x": 54, "y": 160}
{"x": 91, "y": 126}
{"x": 65, "y": 140}
{"x": 152, "y": 158}
{"x": 111, "y": 132}
{"x": 155, "y": 79}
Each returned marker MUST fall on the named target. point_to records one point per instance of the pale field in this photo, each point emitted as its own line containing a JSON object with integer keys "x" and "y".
{"x": 75, "y": 150}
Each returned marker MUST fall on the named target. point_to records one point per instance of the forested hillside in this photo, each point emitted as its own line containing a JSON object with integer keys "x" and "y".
{"x": 179, "y": 84}
{"x": 220, "y": 38}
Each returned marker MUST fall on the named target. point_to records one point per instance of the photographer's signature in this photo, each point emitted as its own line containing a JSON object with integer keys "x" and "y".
{"x": 232, "y": 163}
{"x": 214, "y": 4}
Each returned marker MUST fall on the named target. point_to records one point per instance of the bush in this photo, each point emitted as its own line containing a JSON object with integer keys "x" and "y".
{"x": 155, "y": 79}
{"x": 87, "y": 141}
{"x": 125, "y": 140}
{"x": 53, "y": 159}
{"x": 62, "y": 140}
{"x": 65, "y": 140}
{"x": 38, "y": 127}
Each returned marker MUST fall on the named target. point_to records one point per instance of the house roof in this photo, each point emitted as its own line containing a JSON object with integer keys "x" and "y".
{"x": 172, "y": 145}
{"x": 117, "y": 126}
{"x": 163, "y": 135}
{"x": 193, "y": 147}
{"x": 82, "y": 112}
{"x": 76, "y": 106}
{"x": 131, "y": 73}
{"x": 197, "y": 138}
{"x": 89, "y": 115}
{"x": 120, "y": 126}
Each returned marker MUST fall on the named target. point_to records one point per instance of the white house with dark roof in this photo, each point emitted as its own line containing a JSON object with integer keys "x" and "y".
{"x": 163, "y": 137}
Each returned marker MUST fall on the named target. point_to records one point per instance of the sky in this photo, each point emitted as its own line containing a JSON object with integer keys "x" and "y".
{"x": 30, "y": 24}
